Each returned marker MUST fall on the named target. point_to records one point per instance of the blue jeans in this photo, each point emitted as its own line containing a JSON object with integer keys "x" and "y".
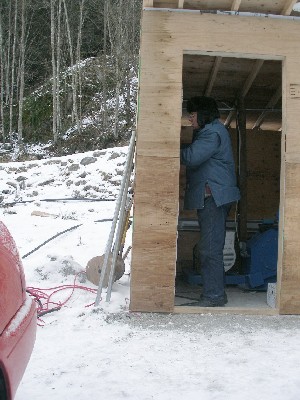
{"x": 212, "y": 223}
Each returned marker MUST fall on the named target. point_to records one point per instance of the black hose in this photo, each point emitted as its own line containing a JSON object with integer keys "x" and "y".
{"x": 54, "y": 200}
{"x": 60, "y": 233}
{"x": 40, "y": 314}
{"x": 48, "y": 240}
{"x": 35, "y": 297}
{"x": 79, "y": 199}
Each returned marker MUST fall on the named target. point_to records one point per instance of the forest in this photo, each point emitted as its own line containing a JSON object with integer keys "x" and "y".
{"x": 68, "y": 72}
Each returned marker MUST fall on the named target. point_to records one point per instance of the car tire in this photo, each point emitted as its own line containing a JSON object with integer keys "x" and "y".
{"x": 3, "y": 395}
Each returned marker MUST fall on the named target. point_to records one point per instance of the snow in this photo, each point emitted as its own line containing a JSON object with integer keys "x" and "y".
{"x": 19, "y": 317}
{"x": 85, "y": 352}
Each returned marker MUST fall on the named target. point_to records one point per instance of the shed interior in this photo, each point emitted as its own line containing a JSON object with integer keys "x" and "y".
{"x": 257, "y": 150}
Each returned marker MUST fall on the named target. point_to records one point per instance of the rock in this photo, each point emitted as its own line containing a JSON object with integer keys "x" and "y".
{"x": 46, "y": 182}
{"x": 13, "y": 184}
{"x": 99, "y": 153}
{"x": 21, "y": 178}
{"x": 114, "y": 155}
{"x": 81, "y": 182}
{"x": 88, "y": 160}
{"x": 74, "y": 167}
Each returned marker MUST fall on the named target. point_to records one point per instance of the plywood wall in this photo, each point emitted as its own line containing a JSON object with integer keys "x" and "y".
{"x": 263, "y": 173}
{"x": 166, "y": 36}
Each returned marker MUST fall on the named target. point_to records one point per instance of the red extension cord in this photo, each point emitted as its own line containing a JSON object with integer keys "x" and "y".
{"x": 45, "y": 303}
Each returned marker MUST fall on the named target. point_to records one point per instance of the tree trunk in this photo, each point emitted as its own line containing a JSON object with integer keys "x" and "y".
{"x": 7, "y": 76}
{"x": 58, "y": 60}
{"x": 78, "y": 82}
{"x": 2, "y": 128}
{"x": 54, "y": 72}
{"x": 12, "y": 81}
{"x": 73, "y": 70}
{"x": 104, "y": 74}
{"x": 22, "y": 73}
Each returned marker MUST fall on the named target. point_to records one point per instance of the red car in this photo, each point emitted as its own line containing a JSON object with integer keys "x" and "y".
{"x": 18, "y": 319}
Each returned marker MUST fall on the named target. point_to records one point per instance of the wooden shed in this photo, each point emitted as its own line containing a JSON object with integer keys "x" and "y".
{"x": 246, "y": 55}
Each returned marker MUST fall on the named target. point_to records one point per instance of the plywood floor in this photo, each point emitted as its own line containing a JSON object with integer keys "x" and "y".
{"x": 237, "y": 297}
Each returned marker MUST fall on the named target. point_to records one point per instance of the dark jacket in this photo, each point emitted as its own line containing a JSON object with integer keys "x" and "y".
{"x": 209, "y": 160}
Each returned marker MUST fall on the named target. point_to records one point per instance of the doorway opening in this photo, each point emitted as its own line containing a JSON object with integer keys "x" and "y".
{"x": 248, "y": 93}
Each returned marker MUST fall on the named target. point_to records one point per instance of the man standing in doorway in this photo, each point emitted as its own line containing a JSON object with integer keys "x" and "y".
{"x": 211, "y": 189}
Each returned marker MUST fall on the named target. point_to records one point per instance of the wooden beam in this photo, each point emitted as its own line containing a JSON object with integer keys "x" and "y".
{"x": 247, "y": 85}
{"x": 147, "y": 3}
{"x": 230, "y": 117}
{"x": 237, "y": 54}
{"x": 213, "y": 76}
{"x": 288, "y": 8}
{"x": 235, "y": 5}
{"x": 180, "y": 3}
{"x": 275, "y": 98}
{"x": 242, "y": 167}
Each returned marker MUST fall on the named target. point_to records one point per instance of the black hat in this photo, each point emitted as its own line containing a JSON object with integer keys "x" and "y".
{"x": 205, "y": 107}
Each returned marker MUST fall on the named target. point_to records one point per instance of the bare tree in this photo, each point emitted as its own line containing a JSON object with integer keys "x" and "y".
{"x": 54, "y": 72}
{"x": 122, "y": 36}
{"x": 104, "y": 69}
{"x": 21, "y": 72}
{"x": 26, "y": 52}
{"x": 78, "y": 80}
{"x": 73, "y": 69}
{"x": 13, "y": 68}
{"x": 2, "y": 128}
{"x": 117, "y": 30}
{"x": 58, "y": 62}
{"x": 8, "y": 48}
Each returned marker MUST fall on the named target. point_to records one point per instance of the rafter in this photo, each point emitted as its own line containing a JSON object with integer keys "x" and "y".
{"x": 274, "y": 99}
{"x": 147, "y": 3}
{"x": 247, "y": 85}
{"x": 288, "y": 8}
{"x": 235, "y": 5}
{"x": 230, "y": 117}
{"x": 180, "y": 3}
{"x": 213, "y": 76}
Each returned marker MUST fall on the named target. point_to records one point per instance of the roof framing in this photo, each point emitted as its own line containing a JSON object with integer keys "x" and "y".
{"x": 283, "y": 7}
{"x": 236, "y": 5}
{"x": 277, "y": 8}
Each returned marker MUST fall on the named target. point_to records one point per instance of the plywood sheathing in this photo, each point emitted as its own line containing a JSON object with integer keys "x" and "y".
{"x": 263, "y": 173}
{"x": 165, "y": 37}
{"x": 289, "y": 295}
{"x": 155, "y": 232}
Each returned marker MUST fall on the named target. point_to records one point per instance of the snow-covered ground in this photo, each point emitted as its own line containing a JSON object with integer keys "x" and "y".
{"x": 106, "y": 352}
